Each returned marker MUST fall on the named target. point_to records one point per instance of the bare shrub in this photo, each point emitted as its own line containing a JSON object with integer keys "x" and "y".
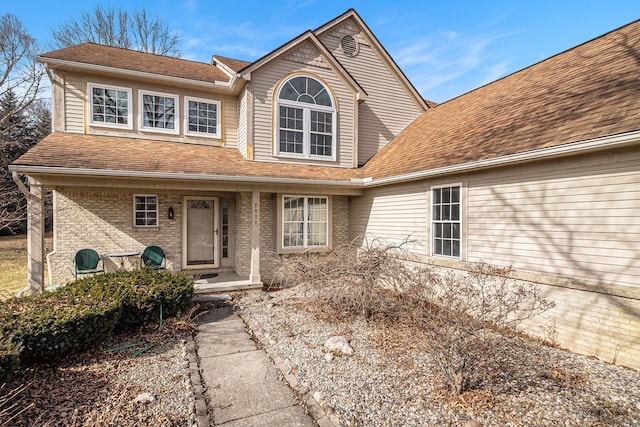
{"x": 351, "y": 279}
{"x": 11, "y": 404}
{"x": 465, "y": 317}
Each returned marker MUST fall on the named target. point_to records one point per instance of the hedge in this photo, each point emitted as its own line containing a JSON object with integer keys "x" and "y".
{"x": 81, "y": 314}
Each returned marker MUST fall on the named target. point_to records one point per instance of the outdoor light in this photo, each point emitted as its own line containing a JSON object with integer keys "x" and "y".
{"x": 170, "y": 212}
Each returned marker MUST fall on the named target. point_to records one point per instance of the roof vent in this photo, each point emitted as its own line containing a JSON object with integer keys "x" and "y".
{"x": 349, "y": 46}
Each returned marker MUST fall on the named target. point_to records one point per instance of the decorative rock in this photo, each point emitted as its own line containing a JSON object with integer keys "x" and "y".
{"x": 272, "y": 341}
{"x": 318, "y": 397}
{"x": 471, "y": 423}
{"x": 339, "y": 344}
{"x": 144, "y": 398}
{"x": 328, "y": 357}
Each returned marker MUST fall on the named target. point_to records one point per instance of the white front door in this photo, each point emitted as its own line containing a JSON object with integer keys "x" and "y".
{"x": 200, "y": 242}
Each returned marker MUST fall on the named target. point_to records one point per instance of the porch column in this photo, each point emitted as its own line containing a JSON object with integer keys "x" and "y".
{"x": 35, "y": 237}
{"x": 254, "y": 275}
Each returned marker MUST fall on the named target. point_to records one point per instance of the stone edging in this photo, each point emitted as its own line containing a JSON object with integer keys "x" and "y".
{"x": 317, "y": 407}
{"x": 197, "y": 412}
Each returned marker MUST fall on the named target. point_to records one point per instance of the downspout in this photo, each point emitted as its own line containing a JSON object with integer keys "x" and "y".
{"x": 29, "y": 196}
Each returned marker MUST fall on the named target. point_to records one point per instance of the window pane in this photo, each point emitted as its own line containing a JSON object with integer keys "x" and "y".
{"x": 446, "y": 247}
{"x": 203, "y": 117}
{"x": 455, "y": 194}
{"x": 158, "y": 112}
{"x": 455, "y": 212}
{"x": 455, "y": 251}
{"x": 437, "y": 198}
{"x": 446, "y": 195}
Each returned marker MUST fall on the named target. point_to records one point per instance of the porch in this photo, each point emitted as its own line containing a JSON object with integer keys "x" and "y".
{"x": 224, "y": 281}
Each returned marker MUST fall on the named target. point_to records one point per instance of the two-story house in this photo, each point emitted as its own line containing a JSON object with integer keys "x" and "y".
{"x": 324, "y": 140}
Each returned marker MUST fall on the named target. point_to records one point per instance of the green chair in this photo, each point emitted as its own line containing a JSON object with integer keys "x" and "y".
{"x": 153, "y": 257}
{"x": 86, "y": 262}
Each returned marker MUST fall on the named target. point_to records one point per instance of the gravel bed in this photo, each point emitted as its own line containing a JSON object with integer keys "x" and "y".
{"x": 386, "y": 384}
{"x": 100, "y": 387}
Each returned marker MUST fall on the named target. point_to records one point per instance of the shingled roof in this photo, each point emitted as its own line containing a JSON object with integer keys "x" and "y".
{"x": 590, "y": 91}
{"x": 107, "y": 56}
{"x": 99, "y": 153}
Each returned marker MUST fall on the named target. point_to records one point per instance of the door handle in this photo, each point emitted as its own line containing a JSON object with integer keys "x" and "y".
{"x": 216, "y": 231}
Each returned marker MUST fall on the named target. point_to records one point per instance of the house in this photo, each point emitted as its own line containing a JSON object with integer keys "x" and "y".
{"x": 324, "y": 139}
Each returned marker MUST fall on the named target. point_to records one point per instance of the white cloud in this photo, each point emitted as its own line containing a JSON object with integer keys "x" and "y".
{"x": 435, "y": 62}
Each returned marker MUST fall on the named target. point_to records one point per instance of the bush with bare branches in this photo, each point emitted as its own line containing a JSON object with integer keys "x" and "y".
{"x": 462, "y": 316}
{"x": 353, "y": 279}
{"x": 465, "y": 317}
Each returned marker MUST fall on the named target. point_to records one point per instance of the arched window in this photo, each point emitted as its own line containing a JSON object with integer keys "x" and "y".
{"x": 306, "y": 119}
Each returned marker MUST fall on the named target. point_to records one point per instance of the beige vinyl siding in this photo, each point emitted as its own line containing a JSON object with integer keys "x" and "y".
{"x": 242, "y": 123}
{"x": 263, "y": 83}
{"x": 393, "y": 213}
{"x": 73, "y": 104}
{"x": 582, "y": 223}
{"x": 389, "y": 106}
{"x": 74, "y": 110}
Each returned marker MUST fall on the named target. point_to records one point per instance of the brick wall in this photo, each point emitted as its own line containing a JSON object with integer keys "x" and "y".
{"x": 242, "y": 234}
{"x": 103, "y": 220}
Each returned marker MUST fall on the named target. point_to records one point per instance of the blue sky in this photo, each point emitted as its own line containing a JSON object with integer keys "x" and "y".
{"x": 445, "y": 48}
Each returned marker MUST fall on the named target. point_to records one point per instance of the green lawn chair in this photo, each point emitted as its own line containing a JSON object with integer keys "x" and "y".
{"x": 86, "y": 262}
{"x": 153, "y": 257}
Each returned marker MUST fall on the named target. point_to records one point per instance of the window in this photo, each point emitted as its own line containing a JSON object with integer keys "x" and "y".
{"x": 305, "y": 222}
{"x": 306, "y": 120}
{"x": 445, "y": 221}
{"x": 158, "y": 112}
{"x": 224, "y": 208}
{"x": 201, "y": 117}
{"x": 110, "y": 106}
{"x": 145, "y": 208}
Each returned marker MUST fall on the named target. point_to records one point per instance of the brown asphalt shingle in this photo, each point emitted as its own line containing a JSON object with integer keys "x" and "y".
{"x": 66, "y": 150}
{"x": 590, "y": 91}
{"x": 235, "y": 64}
{"x": 91, "y": 53}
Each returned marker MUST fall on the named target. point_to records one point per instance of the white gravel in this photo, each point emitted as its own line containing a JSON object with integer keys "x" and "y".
{"x": 380, "y": 386}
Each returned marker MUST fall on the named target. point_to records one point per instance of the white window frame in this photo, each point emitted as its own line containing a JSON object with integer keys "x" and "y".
{"x": 129, "y": 124}
{"x": 306, "y": 122}
{"x": 142, "y": 127}
{"x": 433, "y": 221}
{"x": 135, "y": 210}
{"x": 218, "y": 105}
{"x": 305, "y": 238}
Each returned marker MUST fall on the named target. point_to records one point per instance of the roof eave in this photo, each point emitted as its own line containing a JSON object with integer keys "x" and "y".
{"x": 595, "y": 144}
{"x": 225, "y": 86}
{"x": 53, "y": 170}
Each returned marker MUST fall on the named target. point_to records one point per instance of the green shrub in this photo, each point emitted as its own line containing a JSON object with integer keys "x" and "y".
{"x": 83, "y": 313}
{"x": 9, "y": 357}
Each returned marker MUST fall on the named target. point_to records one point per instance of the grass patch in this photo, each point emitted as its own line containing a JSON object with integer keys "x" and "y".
{"x": 13, "y": 264}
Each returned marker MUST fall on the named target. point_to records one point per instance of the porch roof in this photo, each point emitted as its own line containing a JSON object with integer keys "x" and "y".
{"x": 114, "y": 156}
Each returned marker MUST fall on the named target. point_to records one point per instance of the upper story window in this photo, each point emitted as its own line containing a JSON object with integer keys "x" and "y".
{"x": 110, "y": 106}
{"x": 158, "y": 112}
{"x": 202, "y": 117}
{"x": 306, "y": 119}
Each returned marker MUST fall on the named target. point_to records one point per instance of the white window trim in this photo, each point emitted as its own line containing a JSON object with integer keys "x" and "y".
{"x": 432, "y": 221}
{"x": 129, "y": 125}
{"x": 305, "y": 230}
{"x": 218, "y": 105}
{"x": 144, "y": 128}
{"x": 306, "y": 123}
{"x": 157, "y": 211}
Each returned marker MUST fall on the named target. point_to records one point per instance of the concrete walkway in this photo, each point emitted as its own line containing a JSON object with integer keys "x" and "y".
{"x": 241, "y": 383}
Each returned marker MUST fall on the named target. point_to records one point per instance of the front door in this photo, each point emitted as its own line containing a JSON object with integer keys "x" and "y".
{"x": 201, "y": 232}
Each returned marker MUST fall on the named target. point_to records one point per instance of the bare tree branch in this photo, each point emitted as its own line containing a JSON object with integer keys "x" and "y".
{"x": 119, "y": 28}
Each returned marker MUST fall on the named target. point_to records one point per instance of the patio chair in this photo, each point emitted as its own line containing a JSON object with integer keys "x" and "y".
{"x": 86, "y": 262}
{"x": 153, "y": 257}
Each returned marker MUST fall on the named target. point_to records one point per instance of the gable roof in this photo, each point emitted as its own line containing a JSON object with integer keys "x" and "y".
{"x": 310, "y": 37}
{"x": 106, "y": 56}
{"x": 117, "y": 156}
{"x": 233, "y": 64}
{"x": 351, "y": 13}
{"x": 588, "y": 92}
